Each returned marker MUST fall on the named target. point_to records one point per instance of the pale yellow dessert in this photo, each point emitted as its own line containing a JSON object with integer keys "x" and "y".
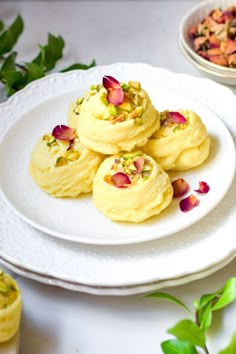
{"x": 109, "y": 128}
{"x": 10, "y": 307}
{"x": 131, "y": 187}
{"x": 62, "y": 168}
{"x": 73, "y": 113}
{"x": 179, "y": 146}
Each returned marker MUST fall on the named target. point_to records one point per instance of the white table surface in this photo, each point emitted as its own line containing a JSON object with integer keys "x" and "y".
{"x": 58, "y": 321}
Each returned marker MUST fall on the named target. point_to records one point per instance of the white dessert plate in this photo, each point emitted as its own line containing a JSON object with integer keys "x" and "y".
{"x": 207, "y": 244}
{"x": 77, "y": 219}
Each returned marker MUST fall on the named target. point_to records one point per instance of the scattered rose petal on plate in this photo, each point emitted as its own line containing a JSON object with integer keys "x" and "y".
{"x": 139, "y": 163}
{"x": 175, "y": 117}
{"x": 115, "y": 94}
{"x": 180, "y": 187}
{"x": 63, "y": 132}
{"x": 203, "y": 188}
{"x": 188, "y": 203}
{"x": 120, "y": 180}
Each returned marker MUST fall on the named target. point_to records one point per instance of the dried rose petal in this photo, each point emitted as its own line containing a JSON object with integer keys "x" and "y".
{"x": 180, "y": 187}
{"x": 203, "y": 188}
{"x": 188, "y": 203}
{"x": 139, "y": 163}
{"x": 120, "y": 180}
{"x": 110, "y": 82}
{"x": 63, "y": 132}
{"x": 115, "y": 94}
{"x": 175, "y": 117}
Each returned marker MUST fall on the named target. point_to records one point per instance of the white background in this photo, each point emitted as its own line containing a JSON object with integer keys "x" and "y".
{"x": 57, "y": 321}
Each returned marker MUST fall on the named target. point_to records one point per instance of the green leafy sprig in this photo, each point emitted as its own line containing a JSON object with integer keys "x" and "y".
{"x": 15, "y": 75}
{"x": 191, "y": 333}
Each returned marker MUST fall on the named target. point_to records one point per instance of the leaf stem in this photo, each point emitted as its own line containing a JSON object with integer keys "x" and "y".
{"x": 198, "y": 324}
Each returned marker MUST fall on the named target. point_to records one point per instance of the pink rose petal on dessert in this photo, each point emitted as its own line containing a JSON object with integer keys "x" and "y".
{"x": 120, "y": 180}
{"x": 115, "y": 94}
{"x": 139, "y": 163}
{"x": 188, "y": 203}
{"x": 110, "y": 82}
{"x": 175, "y": 117}
{"x": 180, "y": 187}
{"x": 203, "y": 188}
{"x": 63, "y": 132}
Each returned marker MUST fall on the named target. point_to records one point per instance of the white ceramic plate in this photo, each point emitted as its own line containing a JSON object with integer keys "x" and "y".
{"x": 207, "y": 244}
{"x": 116, "y": 291}
{"x": 70, "y": 219}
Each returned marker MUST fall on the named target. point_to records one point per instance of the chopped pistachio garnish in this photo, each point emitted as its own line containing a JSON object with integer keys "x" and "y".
{"x": 124, "y": 86}
{"x": 61, "y": 161}
{"x": 135, "y": 84}
{"x": 103, "y": 98}
{"x": 112, "y": 109}
{"x": 134, "y": 165}
{"x": 4, "y": 288}
{"x": 79, "y": 100}
{"x": 8, "y": 291}
{"x": 50, "y": 140}
{"x": 72, "y": 155}
{"x": 132, "y": 106}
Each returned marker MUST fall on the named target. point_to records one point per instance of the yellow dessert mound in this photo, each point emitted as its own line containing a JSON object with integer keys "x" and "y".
{"x": 144, "y": 197}
{"x": 180, "y": 147}
{"x": 73, "y": 117}
{"x": 62, "y": 171}
{"x": 110, "y": 129}
{"x": 10, "y": 307}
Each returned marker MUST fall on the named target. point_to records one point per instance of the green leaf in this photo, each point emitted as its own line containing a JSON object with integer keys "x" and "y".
{"x": 187, "y": 330}
{"x": 50, "y": 53}
{"x": 227, "y": 295}
{"x": 221, "y": 297}
{"x": 1, "y": 25}
{"x": 215, "y": 301}
{"x": 79, "y": 66}
{"x": 169, "y": 297}
{"x": 12, "y": 80}
{"x": 10, "y": 36}
{"x": 177, "y": 346}
{"x": 231, "y": 349}
{"x": 9, "y": 63}
{"x": 34, "y": 72}
{"x": 205, "y": 317}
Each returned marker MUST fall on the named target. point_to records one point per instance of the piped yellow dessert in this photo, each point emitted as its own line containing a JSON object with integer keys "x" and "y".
{"x": 131, "y": 187}
{"x": 10, "y": 307}
{"x": 61, "y": 165}
{"x": 114, "y": 117}
{"x": 181, "y": 143}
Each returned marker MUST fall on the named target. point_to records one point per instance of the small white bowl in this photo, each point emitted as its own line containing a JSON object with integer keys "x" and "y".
{"x": 220, "y": 77}
{"x": 194, "y": 17}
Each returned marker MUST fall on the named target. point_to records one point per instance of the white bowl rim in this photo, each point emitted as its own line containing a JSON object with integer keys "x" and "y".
{"x": 200, "y": 59}
{"x": 216, "y": 75}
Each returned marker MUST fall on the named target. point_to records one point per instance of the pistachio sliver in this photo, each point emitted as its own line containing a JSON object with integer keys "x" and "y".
{"x": 4, "y": 288}
{"x": 135, "y": 85}
{"x": 61, "y": 161}
{"x": 51, "y": 142}
{"x": 72, "y": 155}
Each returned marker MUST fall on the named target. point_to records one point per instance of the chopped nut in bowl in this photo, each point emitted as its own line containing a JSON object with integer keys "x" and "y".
{"x": 207, "y": 34}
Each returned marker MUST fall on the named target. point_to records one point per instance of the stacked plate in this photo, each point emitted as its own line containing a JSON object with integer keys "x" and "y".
{"x": 67, "y": 242}
{"x": 216, "y": 72}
